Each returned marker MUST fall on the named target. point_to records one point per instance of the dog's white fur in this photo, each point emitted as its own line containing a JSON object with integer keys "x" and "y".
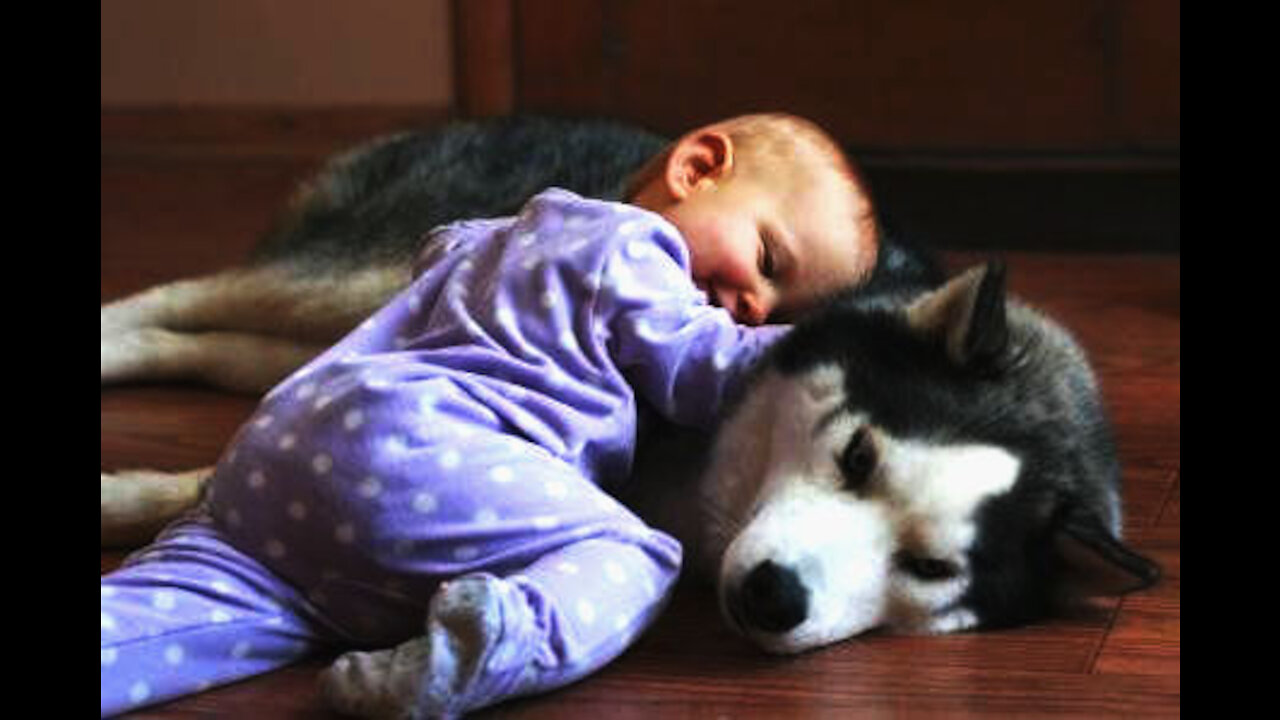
{"x": 779, "y": 497}
{"x": 243, "y": 330}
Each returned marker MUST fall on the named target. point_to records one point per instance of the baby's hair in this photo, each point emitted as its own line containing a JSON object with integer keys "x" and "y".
{"x": 775, "y": 137}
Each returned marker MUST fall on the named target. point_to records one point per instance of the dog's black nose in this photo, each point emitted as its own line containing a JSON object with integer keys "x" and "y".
{"x": 771, "y": 598}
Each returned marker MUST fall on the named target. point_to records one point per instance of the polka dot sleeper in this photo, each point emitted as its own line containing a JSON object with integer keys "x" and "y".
{"x": 435, "y": 486}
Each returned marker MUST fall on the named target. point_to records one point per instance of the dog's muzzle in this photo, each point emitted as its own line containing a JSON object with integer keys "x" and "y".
{"x": 771, "y": 598}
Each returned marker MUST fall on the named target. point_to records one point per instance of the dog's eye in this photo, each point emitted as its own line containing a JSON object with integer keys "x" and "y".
{"x": 925, "y": 568}
{"x": 858, "y": 460}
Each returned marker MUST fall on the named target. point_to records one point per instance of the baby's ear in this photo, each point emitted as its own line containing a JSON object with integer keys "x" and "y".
{"x": 700, "y": 158}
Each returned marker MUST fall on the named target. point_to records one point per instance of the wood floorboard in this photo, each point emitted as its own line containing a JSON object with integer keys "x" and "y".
{"x": 170, "y": 215}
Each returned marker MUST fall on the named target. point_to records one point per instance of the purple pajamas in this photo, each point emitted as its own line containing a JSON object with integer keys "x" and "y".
{"x": 470, "y": 429}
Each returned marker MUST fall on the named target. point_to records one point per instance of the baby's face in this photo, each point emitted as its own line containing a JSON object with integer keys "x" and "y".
{"x": 767, "y": 248}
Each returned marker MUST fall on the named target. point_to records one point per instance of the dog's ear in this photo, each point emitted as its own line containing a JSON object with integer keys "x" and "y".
{"x": 1095, "y": 561}
{"x": 967, "y": 314}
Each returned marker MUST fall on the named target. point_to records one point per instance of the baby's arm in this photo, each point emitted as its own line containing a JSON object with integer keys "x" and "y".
{"x": 681, "y": 354}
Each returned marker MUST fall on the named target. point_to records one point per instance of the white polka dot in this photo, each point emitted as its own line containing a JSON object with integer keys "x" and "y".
{"x": 220, "y": 587}
{"x": 322, "y": 402}
{"x": 287, "y": 441}
{"x": 505, "y": 316}
{"x": 567, "y": 340}
{"x": 644, "y": 329}
{"x": 721, "y": 359}
{"x": 174, "y": 654}
{"x": 466, "y": 552}
{"x": 108, "y": 591}
{"x": 370, "y": 487}
{"x": 353, "y": 419}
{"x": 615, "y": 573}
{"x": 139, "y": 691}
{"x": 450, "y": 459}
{"x": 297, "y": 510}
{"x": 219, "y": 616}
{"x": 548, "y": 300}
{"x": 109, "y": 656}
{"x": 345, "y": 533}
{"x": 546, "y": 522}
{"x": 257, "y": 479}
{"x": 164, "y": 600}
{"x": 414, "y": 303}
{"x": 486, "y": 516}
{"x": 586, "y": 612}
{"x": 621, "y": 622}
{"x": 241, "y": 650}
{"x": 305, "y": 390}
{"x": 263, "y": 422}
{"x": 396, "y": 444}
{"x": 108, "y": 622}
{"x": 424, "y": 502}
{"x": 501, "y": 474}
{"x": 567, "y": 567}
{"x": 275, "y": 549}
{"x": 321, "y": 463}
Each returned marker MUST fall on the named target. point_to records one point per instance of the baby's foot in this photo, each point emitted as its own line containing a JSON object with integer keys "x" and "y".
{"x": 436, "y": 675}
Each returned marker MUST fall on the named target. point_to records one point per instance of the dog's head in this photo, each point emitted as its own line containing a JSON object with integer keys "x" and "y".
{"x": 930, "y": 465}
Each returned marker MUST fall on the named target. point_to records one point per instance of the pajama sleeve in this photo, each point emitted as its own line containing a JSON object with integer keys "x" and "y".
{"x": 683, "y": 355}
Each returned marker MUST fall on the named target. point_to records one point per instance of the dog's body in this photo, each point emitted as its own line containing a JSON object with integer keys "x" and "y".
{"x": 917, "y": 455}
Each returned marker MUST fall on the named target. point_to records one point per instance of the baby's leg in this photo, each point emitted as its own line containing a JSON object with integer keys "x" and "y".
{"x": 189, "y": 613}
{"x": 491, "y": 637}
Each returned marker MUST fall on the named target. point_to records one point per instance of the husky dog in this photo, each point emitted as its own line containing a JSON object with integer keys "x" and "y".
{"x": 918, "y": 455}
{"x": 920, "y": 460}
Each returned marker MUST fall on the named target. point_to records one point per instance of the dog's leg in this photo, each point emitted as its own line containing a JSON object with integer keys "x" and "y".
{"x": 240, "y": 362}
{"x": 242, "y": 330}
{"x": 136, "y": 504}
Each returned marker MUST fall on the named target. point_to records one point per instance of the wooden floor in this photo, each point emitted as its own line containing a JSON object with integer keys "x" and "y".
{"x": 169, "y": 211}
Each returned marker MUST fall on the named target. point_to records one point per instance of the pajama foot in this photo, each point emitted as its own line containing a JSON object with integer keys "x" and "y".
{"x": 438, "y": 675}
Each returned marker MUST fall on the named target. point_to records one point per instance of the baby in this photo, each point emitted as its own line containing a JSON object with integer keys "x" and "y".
{"x": 438, "y": 483}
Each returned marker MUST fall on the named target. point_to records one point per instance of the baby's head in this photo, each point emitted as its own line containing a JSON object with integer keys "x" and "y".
{"x": 774, "y": 213}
